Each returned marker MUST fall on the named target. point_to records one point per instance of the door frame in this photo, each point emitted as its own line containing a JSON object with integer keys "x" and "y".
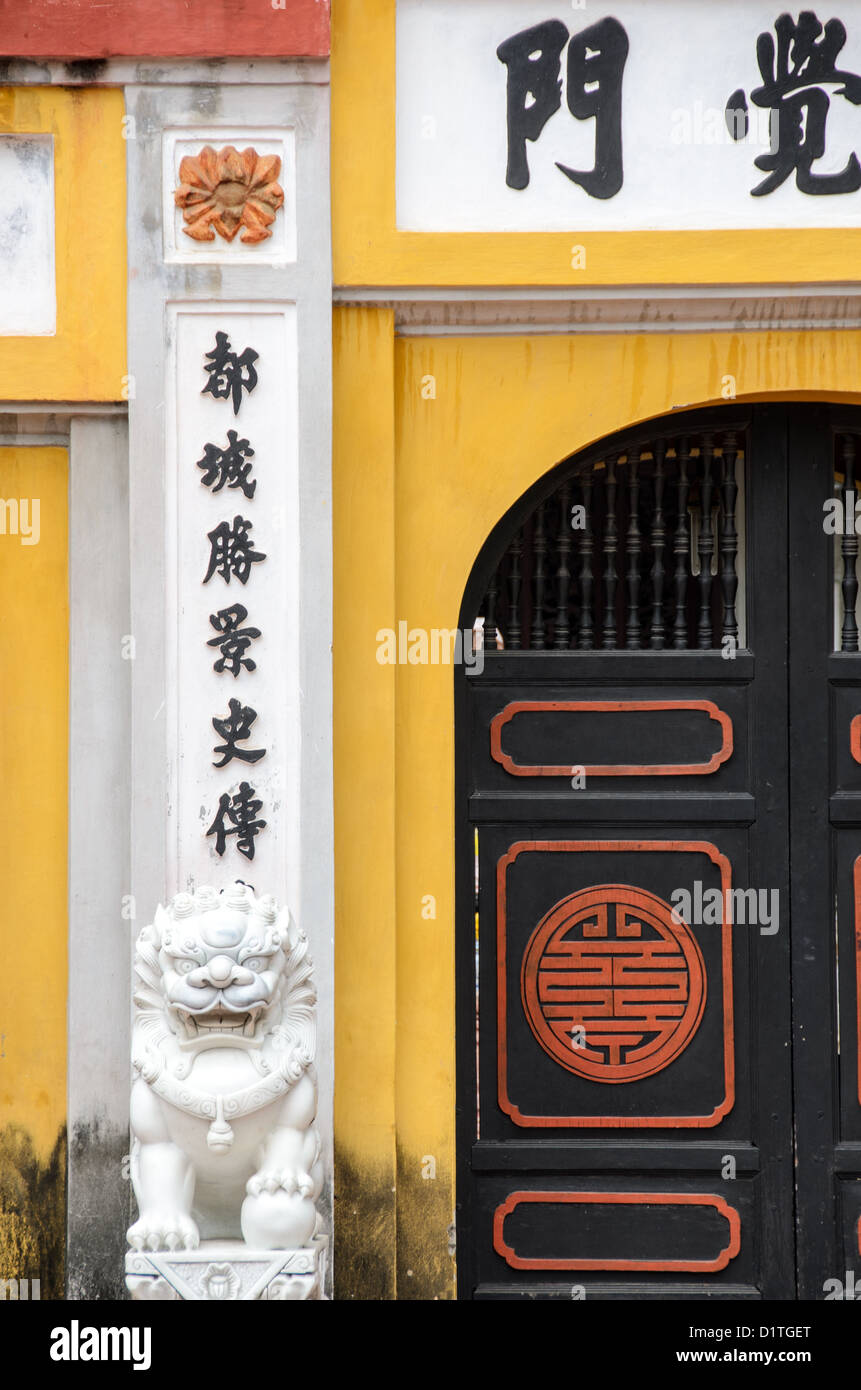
{"x": 779, "y": 519}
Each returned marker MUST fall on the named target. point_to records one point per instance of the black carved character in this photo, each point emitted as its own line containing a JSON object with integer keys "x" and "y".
{"x": 241, "y": 811}
{"x": 229, "y": 373}
{"x": 234, "y": 729}
{"x": 229, "y": 465}
{"x": 805, "y": 56}
{"x": 233, "y": 640}
{"x": 596, "y": 63}
{"x": 534, "y": 89}
{"x": 232, "y": 551}
{"x": 596, "y": 66}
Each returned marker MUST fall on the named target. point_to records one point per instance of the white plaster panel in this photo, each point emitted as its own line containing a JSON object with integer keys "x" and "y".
{"x": 267, "y": 419}
{"x": 681, "y": 167}
{"x": 28, "y": 300}
{"x": 256, "y": 302}
{"x": 101, "y": 924}
{"x": 277, "y": 249}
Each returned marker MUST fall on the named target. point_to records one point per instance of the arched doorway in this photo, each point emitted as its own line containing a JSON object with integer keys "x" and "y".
{"x": 658, "y": 809}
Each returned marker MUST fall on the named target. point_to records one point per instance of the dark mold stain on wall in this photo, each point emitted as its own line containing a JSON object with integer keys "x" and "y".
{"x": 32, "y": 1211}
{"x": 101, "y": 1205}
{"x": 364, "y": 1225}
{"x": 391, "y": 1235}
{"x": 425, "y": 1267}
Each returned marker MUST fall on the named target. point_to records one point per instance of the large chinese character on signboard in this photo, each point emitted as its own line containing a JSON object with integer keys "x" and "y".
{"x": 595, "y": 66}
{"x": 795, "y": 72}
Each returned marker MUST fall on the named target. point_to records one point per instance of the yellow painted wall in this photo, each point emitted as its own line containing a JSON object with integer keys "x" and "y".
{"x": 34, "y": 677}
{"x": 364, "y": 746}
{"x": 34, "y": 752}
{"x": 86, "y": 359}
{"x": 411, "y": 513}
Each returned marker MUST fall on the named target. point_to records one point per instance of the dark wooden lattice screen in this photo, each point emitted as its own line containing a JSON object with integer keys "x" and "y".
{"x": 649, "y": 561}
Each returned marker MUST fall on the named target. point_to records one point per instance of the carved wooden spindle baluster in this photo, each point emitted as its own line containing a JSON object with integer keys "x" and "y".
{"x": 634, "y": 547}
{"x": 539, "y": 562}
{"x": 515, "y": 550}
{"x": 705, "y": 545}
{"x": 563, "y": 574}
{"x": 681, "y": 548}
{"x": 849, "y": 548}
{"x": 490, "y": 621}
{"x": 659, "y": 538}
{"x": 611, "y": 546}
{"x": 729, "y": 537}
{"x": 586, "y": 635}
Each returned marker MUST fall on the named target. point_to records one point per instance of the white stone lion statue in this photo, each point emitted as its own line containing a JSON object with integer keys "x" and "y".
{"x": 225, "y": 1096}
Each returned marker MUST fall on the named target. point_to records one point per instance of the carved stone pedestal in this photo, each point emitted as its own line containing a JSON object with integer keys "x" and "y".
{"x": 228, "y": 1270}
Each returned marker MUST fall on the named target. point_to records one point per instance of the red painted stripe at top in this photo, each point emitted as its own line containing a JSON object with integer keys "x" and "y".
{"x": 75, "y": 29}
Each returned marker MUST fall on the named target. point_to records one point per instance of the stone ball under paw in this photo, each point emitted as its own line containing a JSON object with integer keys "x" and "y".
{"x": 277, "y": 1220}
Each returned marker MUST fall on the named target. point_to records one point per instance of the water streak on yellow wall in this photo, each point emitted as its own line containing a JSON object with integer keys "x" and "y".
{"x": 364, "y": 735}
{"x": 34, "y": 679}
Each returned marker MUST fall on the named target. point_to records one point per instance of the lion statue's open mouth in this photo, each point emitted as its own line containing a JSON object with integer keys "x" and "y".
{"x": 218, "y": 1021}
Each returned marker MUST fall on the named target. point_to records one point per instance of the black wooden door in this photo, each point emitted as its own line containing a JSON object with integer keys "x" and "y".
{"x": 659, "y": 818}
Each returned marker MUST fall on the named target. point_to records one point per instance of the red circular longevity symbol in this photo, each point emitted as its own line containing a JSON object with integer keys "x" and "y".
{"x": 613, "y": 983}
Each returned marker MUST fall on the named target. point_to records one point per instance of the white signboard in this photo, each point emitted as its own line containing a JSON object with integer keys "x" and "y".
{"x": 542, "y": 115}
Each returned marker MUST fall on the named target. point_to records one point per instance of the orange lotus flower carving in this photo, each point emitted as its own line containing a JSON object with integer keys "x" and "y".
{"x": 221, "y": 191}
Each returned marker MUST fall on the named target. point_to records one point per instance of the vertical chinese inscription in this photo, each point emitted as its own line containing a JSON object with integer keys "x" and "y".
{"x": 232, "y": 555}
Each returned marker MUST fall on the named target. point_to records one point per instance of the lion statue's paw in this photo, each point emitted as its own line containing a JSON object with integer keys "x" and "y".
{"x": 288, "y": 1180}
{"x": 164, "y": 1231}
